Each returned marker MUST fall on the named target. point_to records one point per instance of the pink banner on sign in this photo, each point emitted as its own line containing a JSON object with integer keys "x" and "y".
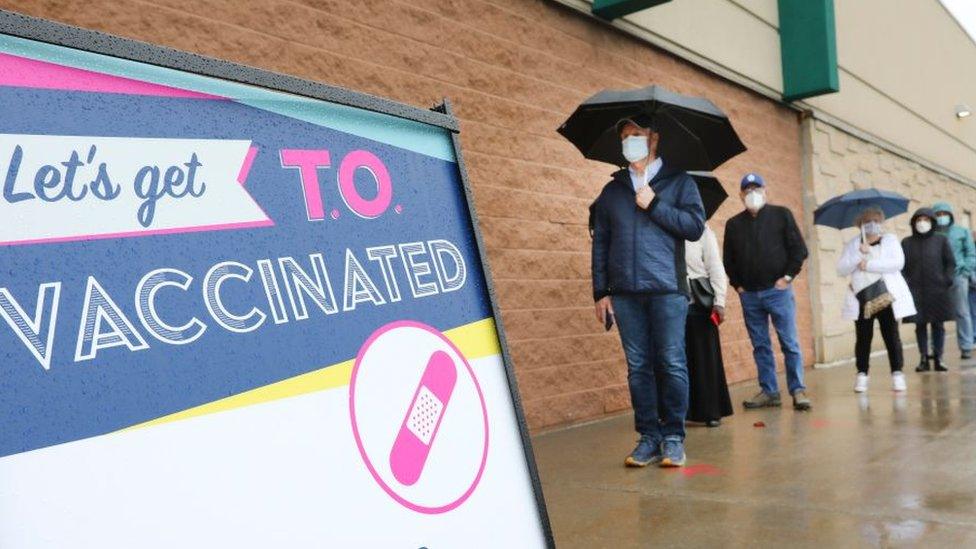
{"x": 246, "y": 166}
{"x": 29, "y": 73}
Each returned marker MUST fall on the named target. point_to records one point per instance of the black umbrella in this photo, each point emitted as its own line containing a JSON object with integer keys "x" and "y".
{"x": 695, "y": 134}
{"x": 711, "y": 191}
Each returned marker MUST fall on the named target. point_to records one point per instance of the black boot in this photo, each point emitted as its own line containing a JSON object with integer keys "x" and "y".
{"x": 938, "y": 367}
{"x": 923, "y": 365}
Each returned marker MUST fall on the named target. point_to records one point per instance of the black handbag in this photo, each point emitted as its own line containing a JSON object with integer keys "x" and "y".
{"x": 702, "y": 293}
{"x": 875, "y": 298}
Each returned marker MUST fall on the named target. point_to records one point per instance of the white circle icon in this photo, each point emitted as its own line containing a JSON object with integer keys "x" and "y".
{"x": 419, "y": 417}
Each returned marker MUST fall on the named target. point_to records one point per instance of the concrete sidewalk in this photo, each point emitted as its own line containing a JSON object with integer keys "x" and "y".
{"x": 873, "y": 470}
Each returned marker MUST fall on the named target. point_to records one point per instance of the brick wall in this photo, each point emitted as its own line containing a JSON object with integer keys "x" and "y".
{"x": 514, "y": 69}
{"x": 841, "y": 162}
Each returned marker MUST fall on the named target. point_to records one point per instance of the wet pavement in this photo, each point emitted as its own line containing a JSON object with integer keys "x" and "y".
{"x": 875, "y": 470}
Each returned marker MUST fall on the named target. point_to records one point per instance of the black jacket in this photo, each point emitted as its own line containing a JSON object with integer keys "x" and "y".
{"x": 760, "y": 250}
{"x": 643, "y": 251}
{"x": 929, "y": 269}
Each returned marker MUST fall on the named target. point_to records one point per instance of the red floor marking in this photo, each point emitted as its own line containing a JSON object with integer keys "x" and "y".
{"x": 700, "y": 469}
{"x": 820, "y": 423}
{"x": 759, "y": 424}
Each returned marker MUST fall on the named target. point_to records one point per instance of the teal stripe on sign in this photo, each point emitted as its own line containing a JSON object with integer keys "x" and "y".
{"x": 405, "y": 134}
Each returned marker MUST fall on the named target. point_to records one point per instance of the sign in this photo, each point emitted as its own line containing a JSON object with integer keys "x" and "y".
{"x": 241, "y": 314}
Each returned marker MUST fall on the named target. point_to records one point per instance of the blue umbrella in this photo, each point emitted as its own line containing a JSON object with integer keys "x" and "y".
{"x": 840, "y": 212}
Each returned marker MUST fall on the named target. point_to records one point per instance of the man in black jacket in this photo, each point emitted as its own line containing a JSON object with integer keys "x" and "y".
{"x": 763, "y": 253}
{"x": 640, "y": 223}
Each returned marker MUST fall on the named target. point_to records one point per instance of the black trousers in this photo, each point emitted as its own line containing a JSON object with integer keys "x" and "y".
{"x": 864, "y": 331}
{"x": 938, "y": 339}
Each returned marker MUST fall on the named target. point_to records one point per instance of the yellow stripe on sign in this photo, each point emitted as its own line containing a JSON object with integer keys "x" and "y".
{"x": 475, "y": 340}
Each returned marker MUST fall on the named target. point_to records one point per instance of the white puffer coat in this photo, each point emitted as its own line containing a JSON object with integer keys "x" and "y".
{"x": 886, "y": 259}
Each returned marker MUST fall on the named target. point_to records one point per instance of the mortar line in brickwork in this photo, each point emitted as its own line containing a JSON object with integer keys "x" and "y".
{"x": 604, "y": 75}
{"x": 549, "y": 366}
{"x": 394, "y": 33}
{"x": 427, "y": 44}
{"x": 885, "y": 145}
{"x": 529, "y": 220}
{"x": 588, "y": 198}
{"x": 491, "y": 249}
{"x": 572, "y": 393}
{"x": 561, "y": 167}
{"x": 549, "y": 309}
{"x": 305, "y": 45}
{"x": 524, "y": 279}
{"x": 534, "y": 192}
{"x": 564, "y": 336}
{"x": 555, "y": 138}
{"x": 574, "y": 336}
{"x": 647, "y": 46}
{"x": 509, "y": 249}
{"x": 689, "y": 58}
{"x": 544, "y": 53}
{"x": 568, "y": 158}
{"x": 580, "y": 223}
{"x": 558, "y": 166}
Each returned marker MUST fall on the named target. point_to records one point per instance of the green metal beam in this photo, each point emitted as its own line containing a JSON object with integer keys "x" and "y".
{"x": 808, "y": 45}
{"x": 612, "y": 9}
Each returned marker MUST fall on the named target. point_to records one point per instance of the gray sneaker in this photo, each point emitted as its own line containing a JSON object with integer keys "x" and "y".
{"x": 763, "y": 400}
{"x": 801, "y": 402}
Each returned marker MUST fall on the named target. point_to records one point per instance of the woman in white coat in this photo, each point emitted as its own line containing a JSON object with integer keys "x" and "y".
{"x": 875, "y": 256}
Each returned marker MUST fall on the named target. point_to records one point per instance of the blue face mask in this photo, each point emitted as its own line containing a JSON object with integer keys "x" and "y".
{"x": 943, "y": 220}
{"x": 872, "y": 228}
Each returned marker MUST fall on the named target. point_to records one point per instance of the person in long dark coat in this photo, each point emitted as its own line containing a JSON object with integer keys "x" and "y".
{"x": 929, "y": 270}
{"x": 708, "y": 391}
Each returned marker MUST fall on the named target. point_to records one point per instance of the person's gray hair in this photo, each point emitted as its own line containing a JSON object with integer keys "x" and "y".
{"x": 870, "y": 212}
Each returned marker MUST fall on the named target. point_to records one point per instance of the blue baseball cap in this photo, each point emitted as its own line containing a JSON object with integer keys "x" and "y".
{"x": 752, "y": 179}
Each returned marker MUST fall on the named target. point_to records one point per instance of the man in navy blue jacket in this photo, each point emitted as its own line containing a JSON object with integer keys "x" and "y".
{"x": 641, "y": 221}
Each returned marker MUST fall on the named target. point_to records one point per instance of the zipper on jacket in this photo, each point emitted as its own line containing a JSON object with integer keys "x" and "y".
{"x": 634, "y": 248}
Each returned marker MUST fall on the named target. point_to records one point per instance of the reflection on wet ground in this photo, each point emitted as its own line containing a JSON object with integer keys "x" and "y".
{"x": 873, "y": 470}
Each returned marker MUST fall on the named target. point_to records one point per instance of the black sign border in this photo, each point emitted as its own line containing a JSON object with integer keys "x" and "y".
{"x": 442, "y": 116}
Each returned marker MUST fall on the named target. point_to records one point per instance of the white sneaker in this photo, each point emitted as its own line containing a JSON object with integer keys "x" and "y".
{"x": 898, "y": 382}
{"x": 861, "y": 383}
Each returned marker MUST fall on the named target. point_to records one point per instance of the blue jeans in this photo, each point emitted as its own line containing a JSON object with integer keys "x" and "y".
{"x": 938, "y": 339}
{"x": 964, "y": 323}
{"x": 780, "y": 305}
{"x": 652, "y": 331}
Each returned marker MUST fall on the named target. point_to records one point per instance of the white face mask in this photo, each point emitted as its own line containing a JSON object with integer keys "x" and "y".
{"x": 755, "y": 200}
{"x": 923, "y": 226}
{"x": 635, "y": 148}
{"x": 872, "y": 228}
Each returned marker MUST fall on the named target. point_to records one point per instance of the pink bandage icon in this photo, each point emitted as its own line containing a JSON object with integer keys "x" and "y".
{"x": 423, "y": 417}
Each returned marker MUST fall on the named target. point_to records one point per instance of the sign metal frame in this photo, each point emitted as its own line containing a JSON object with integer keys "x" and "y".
{"x": 442, "y": 116}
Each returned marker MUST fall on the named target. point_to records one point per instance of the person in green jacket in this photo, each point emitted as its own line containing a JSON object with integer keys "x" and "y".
{"x": 964, "y": 251}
